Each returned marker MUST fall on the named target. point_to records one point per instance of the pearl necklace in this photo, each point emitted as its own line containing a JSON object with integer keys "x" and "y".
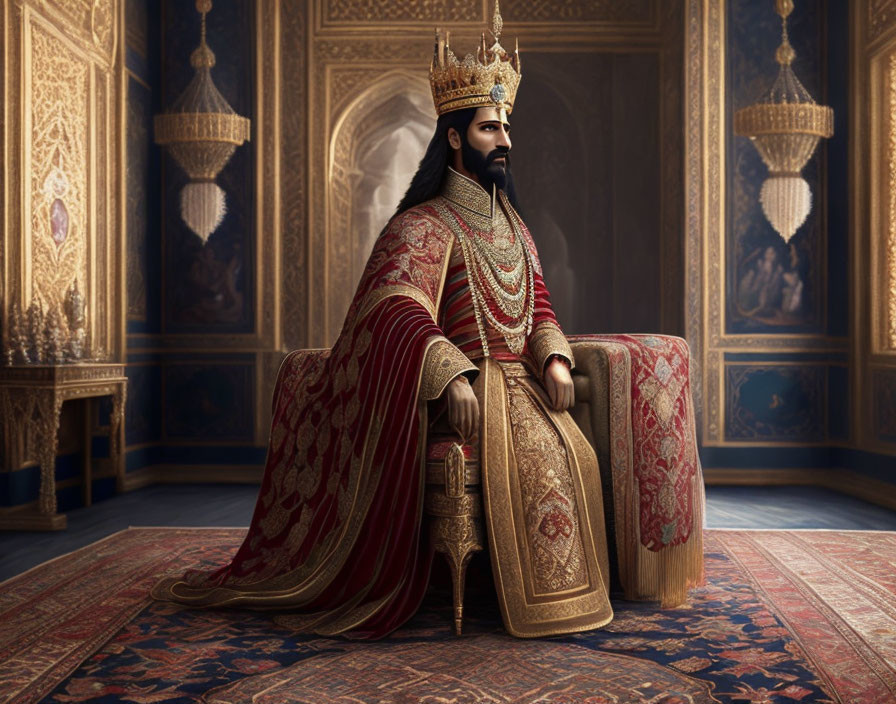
{"x": 501, "y": 266}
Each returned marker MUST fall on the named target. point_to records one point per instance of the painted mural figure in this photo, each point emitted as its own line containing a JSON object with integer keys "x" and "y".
{"x": 769, "y": 291}
{"x": 451, "y": 316}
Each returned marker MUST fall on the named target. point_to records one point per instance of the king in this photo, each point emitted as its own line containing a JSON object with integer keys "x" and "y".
{"x": 451, "y": 325}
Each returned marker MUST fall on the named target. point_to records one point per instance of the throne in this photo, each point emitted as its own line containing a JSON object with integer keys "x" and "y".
{"x": 633, "y": 403}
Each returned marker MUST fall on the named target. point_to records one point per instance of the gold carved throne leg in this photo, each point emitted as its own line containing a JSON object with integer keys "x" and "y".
{"x": 455, "y": 506}
{"x": 457, "y": 538}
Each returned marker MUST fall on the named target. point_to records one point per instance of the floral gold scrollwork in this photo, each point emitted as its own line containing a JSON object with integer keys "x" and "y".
{"x": 59, "y": 188}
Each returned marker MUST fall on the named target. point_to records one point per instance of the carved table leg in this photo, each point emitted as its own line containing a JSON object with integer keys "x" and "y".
{"x": 116, "y": 431}
{"x": 87, "y": 454}
{"x": 49, "y": 407}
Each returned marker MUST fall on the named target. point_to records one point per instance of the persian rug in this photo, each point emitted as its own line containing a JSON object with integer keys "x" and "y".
{"x": 785, "y": 617}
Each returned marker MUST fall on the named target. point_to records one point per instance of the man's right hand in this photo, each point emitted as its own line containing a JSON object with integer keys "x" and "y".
{"x": 463, "y": 408}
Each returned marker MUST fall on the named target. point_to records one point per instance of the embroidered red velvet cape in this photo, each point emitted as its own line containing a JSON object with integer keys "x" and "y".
{"x": 336, "y": 534}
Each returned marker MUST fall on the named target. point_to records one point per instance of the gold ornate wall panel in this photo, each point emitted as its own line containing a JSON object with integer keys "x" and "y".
{"x": 883, "y": 188}
{"x": 63, "y": 115}
{"x": 873, "y": 185}
{"x": 704, "y": 206}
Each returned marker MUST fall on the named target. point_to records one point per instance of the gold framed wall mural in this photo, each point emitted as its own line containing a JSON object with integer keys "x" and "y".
{"x": 63, "y": 114}
{"x": 721, "y": 353}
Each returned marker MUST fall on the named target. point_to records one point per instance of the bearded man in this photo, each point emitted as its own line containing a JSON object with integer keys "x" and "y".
{"x": 452, "y": 294}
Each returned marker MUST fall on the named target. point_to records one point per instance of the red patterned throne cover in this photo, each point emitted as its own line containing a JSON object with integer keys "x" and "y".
{"x": 646, "y": 436}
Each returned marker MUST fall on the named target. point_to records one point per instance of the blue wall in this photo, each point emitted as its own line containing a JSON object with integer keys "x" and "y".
{"x": 191, "y": 402}
{"x": 783, "y": 408}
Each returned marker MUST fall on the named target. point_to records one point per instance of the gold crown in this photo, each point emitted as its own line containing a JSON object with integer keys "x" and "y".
{"x": 488, "y": 79}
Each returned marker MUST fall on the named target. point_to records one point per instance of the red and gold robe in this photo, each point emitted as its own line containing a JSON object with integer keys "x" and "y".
{"x": 453, "y": 286}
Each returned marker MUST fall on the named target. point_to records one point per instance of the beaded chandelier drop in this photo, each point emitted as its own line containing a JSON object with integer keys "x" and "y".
{"x": 201, "y": 132}
{"x": 785, "y": 126}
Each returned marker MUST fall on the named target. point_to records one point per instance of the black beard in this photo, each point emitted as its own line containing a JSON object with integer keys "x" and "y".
{"x": 484, "y": 167}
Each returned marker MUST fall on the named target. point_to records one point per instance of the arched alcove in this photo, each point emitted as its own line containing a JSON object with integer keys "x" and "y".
{"x": 376, "y": 146}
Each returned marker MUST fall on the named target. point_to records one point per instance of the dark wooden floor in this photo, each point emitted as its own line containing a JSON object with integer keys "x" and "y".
{"x": 230, "y": 505}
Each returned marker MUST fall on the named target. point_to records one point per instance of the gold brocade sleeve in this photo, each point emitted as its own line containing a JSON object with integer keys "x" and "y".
{"x": 546, "y": 340}
{"x": 442, "y": 363}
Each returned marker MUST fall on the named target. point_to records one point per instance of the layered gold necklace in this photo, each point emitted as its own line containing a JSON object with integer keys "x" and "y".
{"x": 500, "y": 276}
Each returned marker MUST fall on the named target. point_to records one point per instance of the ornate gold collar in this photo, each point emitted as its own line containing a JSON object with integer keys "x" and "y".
{"x": 468, "y": 194}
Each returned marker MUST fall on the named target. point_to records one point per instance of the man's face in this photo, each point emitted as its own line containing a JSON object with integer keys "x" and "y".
{"x": 486, "y": 150}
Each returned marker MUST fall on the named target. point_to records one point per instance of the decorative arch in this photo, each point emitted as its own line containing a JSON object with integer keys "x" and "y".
{"x": 376, "y": 144}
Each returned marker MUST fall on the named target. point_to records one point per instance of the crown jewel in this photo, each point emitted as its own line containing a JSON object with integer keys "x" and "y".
{"x": 489, "y": 78}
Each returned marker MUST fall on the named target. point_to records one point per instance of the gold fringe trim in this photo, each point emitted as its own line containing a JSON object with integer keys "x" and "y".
{"x": 668, "y": 574}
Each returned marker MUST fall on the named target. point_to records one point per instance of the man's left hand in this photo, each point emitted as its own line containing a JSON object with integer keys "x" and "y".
{"x": 558, "y": 384}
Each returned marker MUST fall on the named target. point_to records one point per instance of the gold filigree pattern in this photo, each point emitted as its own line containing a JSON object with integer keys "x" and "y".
{"x": 373, "y": 11}
{"x": 890, "y": 258}
{"x": 59, "y": 158}
{"x": 91, "y": 20}
{"x": 490, "y": 77}
{"x": 577, "y": 555}
{"x": 499, "y": 264}
{"x": 442, "y": 363}
{"x": 548, "y": 495}
{"x": 470, "y": 195}
{"x": 628, "y": 11}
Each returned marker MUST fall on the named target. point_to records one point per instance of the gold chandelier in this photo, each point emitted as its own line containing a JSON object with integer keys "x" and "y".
{"x": 201, "y": 132}
{"x": 785, "y": 126}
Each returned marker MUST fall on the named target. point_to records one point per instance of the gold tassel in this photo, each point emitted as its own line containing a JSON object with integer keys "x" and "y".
{"x": 666, "y": 575}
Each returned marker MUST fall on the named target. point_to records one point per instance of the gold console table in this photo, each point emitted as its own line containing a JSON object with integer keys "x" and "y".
{"x": 31, "y": 399}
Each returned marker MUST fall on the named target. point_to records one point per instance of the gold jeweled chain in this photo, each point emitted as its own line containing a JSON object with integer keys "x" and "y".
{"x": 504, "y": 266}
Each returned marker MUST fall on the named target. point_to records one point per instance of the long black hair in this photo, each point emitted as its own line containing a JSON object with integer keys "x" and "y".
{"x": 427, "y": 182}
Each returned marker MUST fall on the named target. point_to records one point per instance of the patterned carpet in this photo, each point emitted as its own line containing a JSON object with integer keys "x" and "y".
{"x": 785, "y": 616}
